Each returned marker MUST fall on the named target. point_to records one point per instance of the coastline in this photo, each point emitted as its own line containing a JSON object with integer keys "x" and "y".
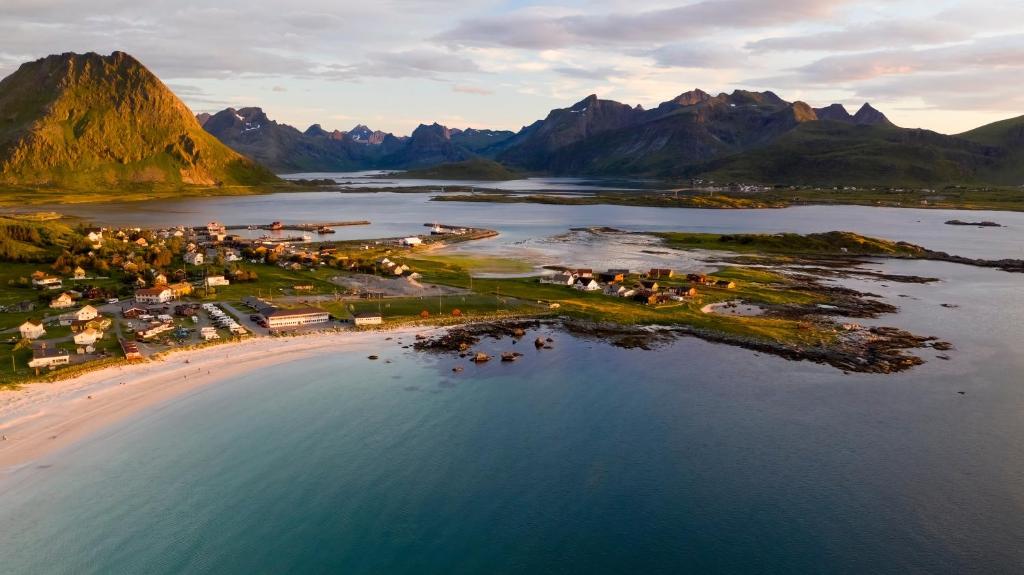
{"x": 44, "y": 418}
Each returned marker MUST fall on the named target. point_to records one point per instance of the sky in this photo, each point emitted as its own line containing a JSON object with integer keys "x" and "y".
{"x": 945, "y": 65}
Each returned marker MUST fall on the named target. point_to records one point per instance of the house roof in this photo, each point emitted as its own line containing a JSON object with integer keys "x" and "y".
{"x": 295, "y": 312}
{"x": 152, "y": 291}
{"x": 35, "y": 322}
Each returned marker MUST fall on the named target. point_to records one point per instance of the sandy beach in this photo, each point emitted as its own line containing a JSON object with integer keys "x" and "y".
{"x": 42, "y": 418}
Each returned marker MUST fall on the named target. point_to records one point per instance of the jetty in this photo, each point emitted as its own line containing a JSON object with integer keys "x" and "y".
{"x": 312, "y": 227}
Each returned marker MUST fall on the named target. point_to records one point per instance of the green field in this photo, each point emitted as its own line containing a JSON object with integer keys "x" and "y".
{"x": 831, "y": 243}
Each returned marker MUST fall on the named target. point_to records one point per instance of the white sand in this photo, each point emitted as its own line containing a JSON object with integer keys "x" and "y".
{"x": 733, "y": 308}
{"x": 41, "y": 418}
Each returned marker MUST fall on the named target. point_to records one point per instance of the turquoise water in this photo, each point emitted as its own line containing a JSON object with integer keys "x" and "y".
{"x": 581, "y": 459}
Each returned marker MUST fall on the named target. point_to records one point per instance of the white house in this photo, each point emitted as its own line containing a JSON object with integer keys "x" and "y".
{"x": 155, "y": 295}
{"x": 214, "y": 281}
{"x": 32, "y": 329}
{"x": 587, "y": 284}
{"x": 194, "y": 258}
{"x": 48, "y": 282}
{"x": 95, "y": 239}
{"x": 411, "y": 241}
{"x": 87, "y": 336}
{"x": 45, "y": 356}
{"x": 86, "y": 313}
{"x": 368, "y": 318}
{"x": 63, "y": 301}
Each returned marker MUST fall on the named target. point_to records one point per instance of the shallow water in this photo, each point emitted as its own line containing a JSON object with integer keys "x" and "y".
{"x": 585, "y": 458}
{"x": 522, "y": 225}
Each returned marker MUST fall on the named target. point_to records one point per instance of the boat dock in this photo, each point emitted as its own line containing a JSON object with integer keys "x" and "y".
{"x": 298, "y": 227}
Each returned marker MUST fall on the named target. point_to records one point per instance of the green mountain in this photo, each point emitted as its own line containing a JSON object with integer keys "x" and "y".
{"x": 1008, "y": 136}
{"x": 81, "y": 121}
{"x": 837, "y": 153}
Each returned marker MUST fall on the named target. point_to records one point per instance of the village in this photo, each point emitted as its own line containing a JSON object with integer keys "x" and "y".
{"x": 133, "y": 293}
{"x": 656, "y": 286}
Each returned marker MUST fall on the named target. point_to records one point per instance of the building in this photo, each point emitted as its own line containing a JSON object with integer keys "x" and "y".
{"x": 95, "y": 239}
{"x": 32, "y": 329}
{"x": 79, "y": 273}
{"x": 86, "y": 313}
{"x": 63, "y": 301}
{"x": 660, "y": 273}
{"x": 725, "y": 284}
{"x": 194, "y": 258}
{"x": 559, "y": 279}
{"x": 131, "y": 350}
{"x": 368, "y": 318}
{"x": 46, "y": 356}
{"x": 159, "y": 279}
{"x": 47, "y": 282}
{"x": 88, "y": 337}
{"x": 278, "y": 317}
{"x": 215, "y": 281}
{"x": 154, "y": 295}
{"x": 180, "y": 289}
{"x": 411, "y": 241}
{"x": 587, "y": 284}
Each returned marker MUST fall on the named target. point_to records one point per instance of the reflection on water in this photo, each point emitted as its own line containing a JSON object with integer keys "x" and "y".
{"x": 395, "y": 215}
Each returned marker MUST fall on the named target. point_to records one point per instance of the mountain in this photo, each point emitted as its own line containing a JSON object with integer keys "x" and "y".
{"x": 604, "y": 137}
{"x": 1006, "y": 135}
{"x": 844, "y": 153}
{"x": 284, "y": 148}
{"x": 477, "y": 169}
{"x": 85, "y": 120}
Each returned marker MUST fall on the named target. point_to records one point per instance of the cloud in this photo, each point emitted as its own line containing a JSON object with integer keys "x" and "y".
{"x": 472, "y": 90}
{"x": 531, "y": 30}
{"x": 867, "y": 36}
{"x": 597, "y": 73}
{"x": 692, "y": 55}
{"x": 991, "y": 52}
{"x": 418, "y": 63}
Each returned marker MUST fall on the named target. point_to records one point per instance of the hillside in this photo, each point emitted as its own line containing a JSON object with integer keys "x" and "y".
{"x": 835, "y": 153}
{"x": 84, "y": 121}
{"x": 477, "y": 169}
{"x": 1007, "y": 135}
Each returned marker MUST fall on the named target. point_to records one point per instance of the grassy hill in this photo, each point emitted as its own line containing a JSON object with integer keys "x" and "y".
{"x": 86, "y": 121}
{"x": 1008, "y": 135}
{"x": 832, "y": 153}
{"x": 478, "y": 169}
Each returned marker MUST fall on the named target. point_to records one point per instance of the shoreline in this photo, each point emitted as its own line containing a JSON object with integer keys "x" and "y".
{"x": 44, "y": 418}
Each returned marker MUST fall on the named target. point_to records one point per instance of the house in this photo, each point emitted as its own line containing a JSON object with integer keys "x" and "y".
{"x": 159, "y": 279}
{"x": 46, "y": 356}
{"x": 610, "y": 277}
{"x": 214, "y": 281}
{"x": 368, "y": 318}
{"x": 583, "y": 272}
{"x": 279, "y": 317}
{"x": 180, "y": 289}
{"x": 559, "y": 279}
{"x": 86, "y": 313}
{"x": 686, "y": 291}
{"x": 131, "y": 350}
{"x": 134, "y": 312}
{"x": 411, "y": 241}
{"x": 231, "y": 256}
{"x": 95, "y": 239}
{"x": 79, "y": 273}
{"x": 650, "y": 285}
{"x": 645, "y": 296}
{"x": 63, "y": 301}
{"x": 615, "y": 289}
{"x": 154, "y": 295}
{"x": 32, "y": 329}
{"x": 619, "y": 271}
{"x": 142, "y": 243}
{"x": 697, "y": 278}
{"x": 46, "y": 282}
{"x": 659, "y": 273}
{"x": 725, "y": 284}
{"x": 155, "y": 330}
{"x": 88, "y": 336}
{"x": 194, "y": 258}
{"x": 587, "y": 284}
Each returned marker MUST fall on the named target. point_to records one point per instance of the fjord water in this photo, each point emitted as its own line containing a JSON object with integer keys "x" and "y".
{"x": 585, "y": 458}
